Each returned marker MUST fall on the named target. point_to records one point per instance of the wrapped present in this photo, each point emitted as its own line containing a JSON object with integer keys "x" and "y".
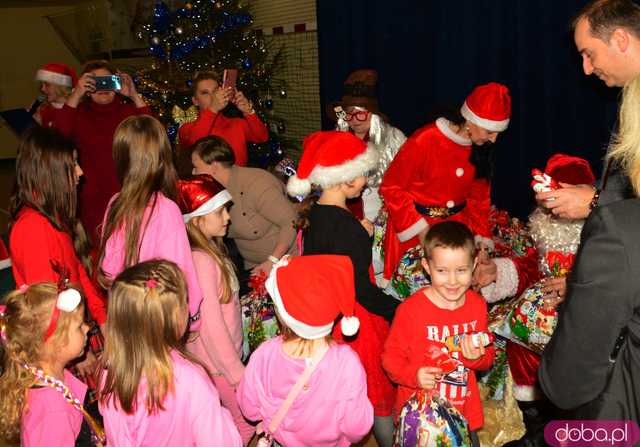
{"x": 494, "y": 379}
{"x": 427, "y": 419}
{"x": 410, "y": 276}
{"x": 510, "y": 235}
{"x": 259, "y": 322}
{"x": 503, "y": 420}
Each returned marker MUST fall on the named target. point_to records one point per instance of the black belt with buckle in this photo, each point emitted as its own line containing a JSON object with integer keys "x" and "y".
{"x": 439, "y": 212}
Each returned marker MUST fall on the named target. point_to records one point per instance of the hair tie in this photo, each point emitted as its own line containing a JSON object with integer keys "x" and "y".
{"x": 151, "y": 283}
{"x": 68, "y": 299}
{"x": 23, "y": 288}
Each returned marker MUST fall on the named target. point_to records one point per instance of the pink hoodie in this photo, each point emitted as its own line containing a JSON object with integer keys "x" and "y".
{"x": 332, "y": 411}
{"x": 192, "y": 415}
{"x": 165, "y": 237}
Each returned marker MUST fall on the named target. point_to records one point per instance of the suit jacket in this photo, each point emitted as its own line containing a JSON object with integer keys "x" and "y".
{"x": 261, "y": 214}
{"x": 615, "y": 185}
{"x": 603, "y": 297}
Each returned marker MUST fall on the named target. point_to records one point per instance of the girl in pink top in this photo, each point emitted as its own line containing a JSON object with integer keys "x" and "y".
{"x": 153, "y": 393}
{"x": 332, "y": 409}
{"x": 219, "y": 342}
{"x": 143, "y": 221}
{"x": 41, "y": 402}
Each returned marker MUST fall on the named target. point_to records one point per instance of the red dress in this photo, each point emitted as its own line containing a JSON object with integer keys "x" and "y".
{"x": 34, "y": 243}
{"x": 432, "y": 169}
{"x": 336, "y": 231}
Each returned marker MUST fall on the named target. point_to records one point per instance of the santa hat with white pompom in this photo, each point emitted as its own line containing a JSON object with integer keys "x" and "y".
{"x": 309, "y": 293}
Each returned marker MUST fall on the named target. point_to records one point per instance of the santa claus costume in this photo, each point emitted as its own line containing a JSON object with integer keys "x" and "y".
{"x": 61, "y": 79}
{"x": 332, "y": 161}
{"x": 433, "y": 178}
{"x": 556, "y": 241}
{"x": 358, "y": 112}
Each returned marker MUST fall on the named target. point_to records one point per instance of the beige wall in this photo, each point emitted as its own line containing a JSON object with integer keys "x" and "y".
{"x": 27, "y": 41}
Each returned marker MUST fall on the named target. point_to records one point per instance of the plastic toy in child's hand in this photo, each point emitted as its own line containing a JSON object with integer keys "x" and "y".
{"x": 543, "y": 182}
{"x": 437, "y": 357}
{"x": 478, "y": 339}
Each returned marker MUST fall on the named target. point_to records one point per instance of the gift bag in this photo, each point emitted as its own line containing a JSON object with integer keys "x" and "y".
{"x": 259, "y": 322}
{"x": 428, "y": 420}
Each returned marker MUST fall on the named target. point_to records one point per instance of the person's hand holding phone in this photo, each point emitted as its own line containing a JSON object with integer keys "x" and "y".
{"x": 86, "y": 85}
{"x": 128, "y": 89}
{"x": 220, "y": 98}
{"x": 242, "y": 103}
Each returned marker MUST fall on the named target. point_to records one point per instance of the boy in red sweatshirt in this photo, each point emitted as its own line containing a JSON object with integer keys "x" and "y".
{"x": 427, "y": 318}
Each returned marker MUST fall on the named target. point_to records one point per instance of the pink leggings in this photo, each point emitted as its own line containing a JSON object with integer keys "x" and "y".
{"x": 228, "y": 398}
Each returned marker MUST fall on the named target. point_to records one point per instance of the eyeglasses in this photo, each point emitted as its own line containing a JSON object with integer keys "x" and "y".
{"x": 360, "y": 115}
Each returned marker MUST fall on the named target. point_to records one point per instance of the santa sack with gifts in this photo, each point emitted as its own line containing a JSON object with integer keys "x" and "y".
{"x": 428, "y": 419}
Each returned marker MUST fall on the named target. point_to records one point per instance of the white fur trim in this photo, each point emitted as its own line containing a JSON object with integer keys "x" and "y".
{"x": 68, "y": 300}
{"x": 506, "y": 284}
{"x": 349, "y": 325}
{"x": 298, "y": 187}
{"x": 212, "y": 204}
{"x": 484, "y": 240}
{"x": 490, "y": 125}
{"x": 413, "y": 230}
{"x": 301, "y": 329}
{"x": 443, "y": 126}
{"x": 526, "y": 393}
{"x": 5, "y": 263}
{"x": 54, "y": 78}
{"x": 326, "y": 176}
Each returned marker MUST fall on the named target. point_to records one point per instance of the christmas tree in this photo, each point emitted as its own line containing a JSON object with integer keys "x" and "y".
{"x": 213, "y": 35}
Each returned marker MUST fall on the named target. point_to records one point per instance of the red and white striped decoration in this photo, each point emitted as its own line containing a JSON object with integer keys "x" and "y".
{"x": 286, "y": 29}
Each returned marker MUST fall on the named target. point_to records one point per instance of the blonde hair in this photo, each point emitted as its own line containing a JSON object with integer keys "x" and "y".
{"x": 304, "y": 346}
{"x": 214, "y": 248}
{"x": 144, "y": 164}
{"x": 24, "y": 324}
{"x": 625, "y": 149}
{"x": 148, "y": 315}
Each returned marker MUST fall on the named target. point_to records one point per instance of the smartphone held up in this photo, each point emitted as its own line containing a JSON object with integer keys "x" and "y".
{"x": 108, "y": 83}
{"x": 229, "y": 78}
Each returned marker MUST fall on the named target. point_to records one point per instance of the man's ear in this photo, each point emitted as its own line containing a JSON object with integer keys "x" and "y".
{"x": 621, "y": 39}
{"x": 475, "y": 262}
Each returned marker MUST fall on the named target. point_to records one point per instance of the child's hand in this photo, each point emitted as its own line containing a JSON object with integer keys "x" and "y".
{"x": 368, "y": 225}
{"x": 469, "y": 351}
{"x": 427, "y": 377}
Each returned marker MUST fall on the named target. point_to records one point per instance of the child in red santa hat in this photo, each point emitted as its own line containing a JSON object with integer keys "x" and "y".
{"x": 442, "y": 172}
{"x": 338, "y": 163}
{"x": 56, "y": 82}
{"x": 305, "y": 388}
{"x": 203, "y": 202}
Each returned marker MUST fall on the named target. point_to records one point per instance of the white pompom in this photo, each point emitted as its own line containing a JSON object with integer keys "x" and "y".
{"x": 349, "y": 325}
{"x": 68, "y": 300}
{"x": 298, "y": 187}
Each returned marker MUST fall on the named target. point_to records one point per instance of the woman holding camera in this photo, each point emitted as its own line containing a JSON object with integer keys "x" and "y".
{"x": 90, "y": 117}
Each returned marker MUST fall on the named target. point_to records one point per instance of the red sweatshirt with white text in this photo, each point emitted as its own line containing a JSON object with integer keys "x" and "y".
{"x": 419, "y": 327}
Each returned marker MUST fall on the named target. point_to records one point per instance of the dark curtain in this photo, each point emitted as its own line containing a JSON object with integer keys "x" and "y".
{"x": 431, "y": 53}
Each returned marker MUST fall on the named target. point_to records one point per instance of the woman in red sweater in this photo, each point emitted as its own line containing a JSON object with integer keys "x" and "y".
{"x": 45, "y": 236}
{"x": 90, "y": 118}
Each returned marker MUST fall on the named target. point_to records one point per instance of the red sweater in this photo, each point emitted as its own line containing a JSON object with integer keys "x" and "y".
{"x": 92, "y": 126}
{"x": 235, "y": 131}
{"x": 34, "y": 243}
{"x": 419, "y": 324}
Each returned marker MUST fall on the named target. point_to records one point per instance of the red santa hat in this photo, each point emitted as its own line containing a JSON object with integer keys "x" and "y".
{"x": 568, "y": 169}
{"x": 488, "y": 106}
{"x": 200, "y": 195}
{"x": 310, "y": 292}
{"x": 330, "y": 158}
{"x": 58, "y": 74}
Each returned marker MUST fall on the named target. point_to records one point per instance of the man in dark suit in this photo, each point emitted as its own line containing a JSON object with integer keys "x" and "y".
{"x": 607, "y": 36}
{"x": 604, "y": 289}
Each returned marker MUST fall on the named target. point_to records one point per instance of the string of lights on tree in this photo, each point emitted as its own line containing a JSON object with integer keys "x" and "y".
{"x": 211, "y": 35}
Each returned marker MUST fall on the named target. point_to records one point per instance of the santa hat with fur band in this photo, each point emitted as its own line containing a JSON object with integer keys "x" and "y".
{"x": 309, "y": 293}
{"x": 330, "y": 158}
{"x": 488, "y": 106}
{"x": 58, "y": 74}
